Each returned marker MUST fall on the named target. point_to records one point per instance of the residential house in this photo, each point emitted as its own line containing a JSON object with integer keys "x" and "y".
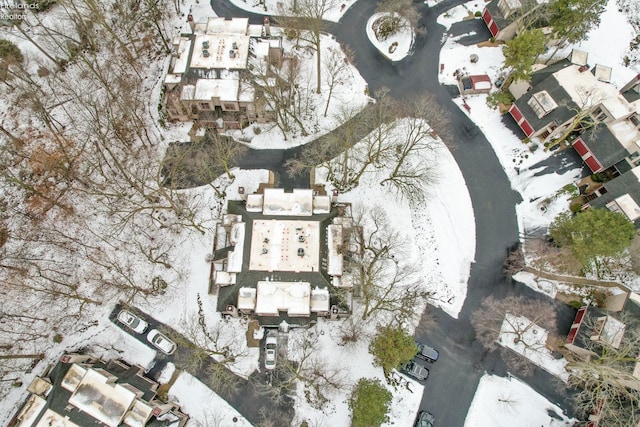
{"x": 208, "y": 79}
{"x": 505, "y": 18}
{"x": 563, "y": 92}
{"x": 594, "y": 327}
{"x": 621, "y": 194}
{"x": 279, "y": 256}
{"x": 82, "y": 391}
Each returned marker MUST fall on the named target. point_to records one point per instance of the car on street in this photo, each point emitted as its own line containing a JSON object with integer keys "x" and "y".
{"x": 161, "y": 342}
{"x": 270, "y": 352}
{"x": 132, "y": 322}
{"x": 424, "y": 419}
{"x": 416, "y": 371}
{"x": 426, "y": 353}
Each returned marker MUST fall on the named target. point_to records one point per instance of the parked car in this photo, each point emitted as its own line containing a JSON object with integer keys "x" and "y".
{"x": 416, "y": 371}
{"x": 424, "y": 419}
{"x": 270, "y": 352}
{"x": 133, "y": 322}
{"x": 426, "y": 353}
{"x": 161, "y": 342}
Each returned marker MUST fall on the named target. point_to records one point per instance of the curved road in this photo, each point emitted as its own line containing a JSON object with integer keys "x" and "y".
{"x": 454, "y": 378}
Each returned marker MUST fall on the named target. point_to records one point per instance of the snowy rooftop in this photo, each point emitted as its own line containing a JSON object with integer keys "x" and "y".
{"x": 627, "y": 134}
{"x": 139, "y": 414}
{"x": 31, "y": 410}
{"x": 223, "y": 44}
{"x": 183, "y": 49}
{"x": 628, "y": 206}
{"x": 587, "y": 91}
{"x": 319, "y": 300}
{"x": 235, "y": 257}
{"x": 223, "y": 89}
{"x": 612, "y": 331}
{"x": 334, "y": 262}
{"x": 51, "y": 418}
{"x": 246, "y": 299}
{"x": 285, "y": 246}
{"x": 219, "y": 25}
{"x": 105, "y": 402}
{"x": 292, "y": 297}
{"x": 297, "y": 203}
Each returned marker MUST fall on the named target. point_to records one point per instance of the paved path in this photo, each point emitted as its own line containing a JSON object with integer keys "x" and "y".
{"x": 455, "y": 376}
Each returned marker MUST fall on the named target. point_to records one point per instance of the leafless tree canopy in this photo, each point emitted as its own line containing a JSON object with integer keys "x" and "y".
{"x": 487, "y": 322}
{"x": 606, "y": 379}
{"x": 385, "y": 279}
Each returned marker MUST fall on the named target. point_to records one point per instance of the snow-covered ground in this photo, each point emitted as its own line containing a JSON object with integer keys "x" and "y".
{"x": 508, "y": 402}
{"x": 395, "y": 47}
{"x": 334, "y": 8}
{"x": 532, "y": 344}
{"x": 205, "y": 408}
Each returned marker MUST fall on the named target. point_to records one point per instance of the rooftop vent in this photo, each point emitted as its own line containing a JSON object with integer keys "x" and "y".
{"x": 205, "y": 53}
{"x": 232, "y": 54}
{"x": 205, "y": 44}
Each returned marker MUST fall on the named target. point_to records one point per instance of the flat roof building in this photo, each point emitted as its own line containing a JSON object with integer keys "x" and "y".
{"x": 279, "y": 256}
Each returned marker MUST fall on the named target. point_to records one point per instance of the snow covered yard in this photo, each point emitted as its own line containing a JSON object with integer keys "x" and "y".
{"x": 531, "y": 343}
{"x": 508, "y": 402}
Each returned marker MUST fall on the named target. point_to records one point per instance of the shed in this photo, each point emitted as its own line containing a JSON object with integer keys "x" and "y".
{"x": 469, "y": 85}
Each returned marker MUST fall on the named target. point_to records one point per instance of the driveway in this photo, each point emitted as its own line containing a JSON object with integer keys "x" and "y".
{"x": 450, "y": 388}
{"x": 250, "y": 397}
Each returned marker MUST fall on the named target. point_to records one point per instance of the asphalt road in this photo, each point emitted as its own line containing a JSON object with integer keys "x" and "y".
{"x": 454, "y": 378}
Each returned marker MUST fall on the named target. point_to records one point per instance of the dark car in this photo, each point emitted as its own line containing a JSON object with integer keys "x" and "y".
{"x": 426, "y": 353}
{"x": 424, "y": 419}
{"x": 416, "y": 371}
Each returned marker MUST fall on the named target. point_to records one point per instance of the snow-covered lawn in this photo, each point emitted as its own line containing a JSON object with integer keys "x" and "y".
{"x": 508, "y": 402}
{"x": 458, "y": 13}
{"x": 532, "y": 344}
{"x": 205, "y": 408}
{"x": 335, "y": 8}
{"x": 353, "y": 362}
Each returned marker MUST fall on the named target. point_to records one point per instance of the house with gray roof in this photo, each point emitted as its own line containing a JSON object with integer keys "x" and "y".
{"x": 596, "y": 331}
{"x": 505, "y": 18}
{"x": 566, "y": 92}
{"x": 621, "y": 194}
{"x": 82, "y": 390}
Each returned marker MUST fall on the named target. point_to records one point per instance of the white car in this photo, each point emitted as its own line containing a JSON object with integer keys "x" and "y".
{"x": 133, "y": 322}
{"x": 161, "y": 342}
{"x": 270, "y": 352}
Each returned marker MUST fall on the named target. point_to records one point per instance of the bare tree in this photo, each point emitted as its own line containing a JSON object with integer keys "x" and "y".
{"x": 309, "y": 26}
{"x": 586, "y": 115}
{"x": 277, "y": 86}
{"x": 385, "y": 279}
{"x": 335, "y": 70}
{"x": 608, "y": 387}
{"x": 405, "y": 9}
{"x": 513, "y": 319}
{"x": 318, "y": 377}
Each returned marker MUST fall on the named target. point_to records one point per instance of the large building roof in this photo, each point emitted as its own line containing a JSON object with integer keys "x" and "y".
{"x": 82, "y": 391}
{"x": 291, "y": 252}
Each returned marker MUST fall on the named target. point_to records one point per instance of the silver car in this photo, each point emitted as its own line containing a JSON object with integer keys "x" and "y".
{"x": 161, "y": 342}
{"x": 270, "y": 352}
{"x": 133, "y": 322}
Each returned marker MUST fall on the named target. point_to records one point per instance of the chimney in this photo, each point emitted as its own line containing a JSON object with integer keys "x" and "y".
{"x": 267, "y": 26}
{"x": 192, "y": 24}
